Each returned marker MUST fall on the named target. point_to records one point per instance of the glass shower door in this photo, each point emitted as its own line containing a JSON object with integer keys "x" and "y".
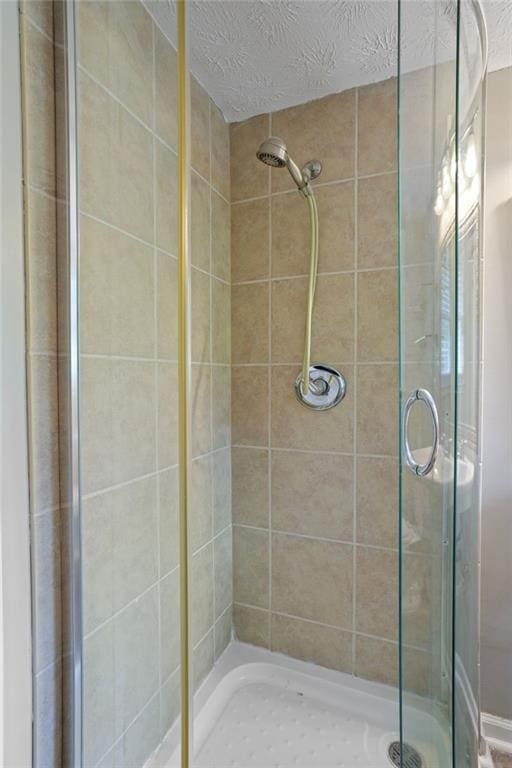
{"x": 428, "y": 355}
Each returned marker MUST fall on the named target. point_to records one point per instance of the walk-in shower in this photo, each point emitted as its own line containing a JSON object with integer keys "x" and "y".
{"x": 223, "y": 576}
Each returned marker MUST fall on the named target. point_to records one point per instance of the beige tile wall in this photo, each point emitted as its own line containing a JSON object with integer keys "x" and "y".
{"x": 128, "y": 333}
{"x": 128, "y": 163}
{"x": 315, "y": 494}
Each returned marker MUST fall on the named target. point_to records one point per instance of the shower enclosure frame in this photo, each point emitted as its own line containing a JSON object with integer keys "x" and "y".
{"x": 73, "y": 377}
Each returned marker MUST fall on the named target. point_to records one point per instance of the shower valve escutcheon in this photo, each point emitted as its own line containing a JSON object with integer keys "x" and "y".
{"x": 326, "y": 388}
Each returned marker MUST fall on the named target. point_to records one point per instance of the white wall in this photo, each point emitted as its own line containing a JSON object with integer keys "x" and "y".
{"x": 496, "y": 672}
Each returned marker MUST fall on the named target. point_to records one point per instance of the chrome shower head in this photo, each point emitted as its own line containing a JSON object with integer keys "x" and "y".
{"x": 273, "y": 152}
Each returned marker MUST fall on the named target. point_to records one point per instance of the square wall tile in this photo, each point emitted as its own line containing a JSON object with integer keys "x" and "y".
{"x": 136, "y": 644}
{"x": 377, "y": 660}
{"x": 250, "y": 250}
{"x": 221, "y": 466}
{"x": 200, "y": 129}
{"x": 312, "y": 494}
{"x": 121, "y": 550}
{"x": 300, "y": 588}
{"x": 200, "y": 510}
{"x": 377, "y": 501}
{"x": 116, "y": 166}
{"x": 223, "y": 632}
{"x": 221, "y": 238}
{"x": 166, "y": 96}
{"x": 169, "y": 520}
{"x": 201, "y": 437}
{"x": 221, "y": 322}
{"x": 99, "y": 694}
{"x": 166, "y": 171}
{"x": 200, "y": 311}
{"x": 326, "y": 646}
{"x": 249, "y": 177}
{"x": 115, "y": 45}
{"x": 377, "y": 592}
{"x": 377, "y": 127}
{"x": 250, "y": 486}
{"x": 203, "y": 658}
{"x": 201, "y": 593}
{"x": 294, "y": 426}
{"x": 251, "y": 566}
{"x": 167, "y": 382}
{"x": 143, "y": 735}
{"x": 251, "y": 625}
{"x": 116, "y": 292}
{"x": 291, "y": 228}
{"x": 223, "y": 564}
{"x": 333, "y": 145}
{"x": 377, "y": 409}
{"x": 220, "y": 160}
{"x": 249, "y": 319}
{"x": 221, "y": 406}
{"x": 377, "y": 222}
{"x": 170, "y": 652}
{"x": 167, "y": 306}
{"x": 200, "y": 224}
{"x": 334, "y": 309}
{"x": 249, "y": 405}
{"x": 377, "y": 316}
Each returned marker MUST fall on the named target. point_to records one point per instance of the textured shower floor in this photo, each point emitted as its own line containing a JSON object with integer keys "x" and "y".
{"x": 264, "y": 710}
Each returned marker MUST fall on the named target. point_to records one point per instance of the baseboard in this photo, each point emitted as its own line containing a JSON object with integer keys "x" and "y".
{"x": 497, "y": 732}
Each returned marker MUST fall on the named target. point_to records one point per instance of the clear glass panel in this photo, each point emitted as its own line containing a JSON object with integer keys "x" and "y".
{"x": 467, "y": 523}
{"x": 128, "y": 381}
{"x": 427, "y": 168}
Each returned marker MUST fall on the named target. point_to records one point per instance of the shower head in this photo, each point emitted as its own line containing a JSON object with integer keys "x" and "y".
{"x": 273, "y": 152}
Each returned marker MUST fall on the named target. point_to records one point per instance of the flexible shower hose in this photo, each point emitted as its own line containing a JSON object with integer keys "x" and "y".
{"x": 313, "y": 270}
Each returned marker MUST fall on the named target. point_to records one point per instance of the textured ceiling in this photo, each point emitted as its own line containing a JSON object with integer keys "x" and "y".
{"x": 255, "y": 56}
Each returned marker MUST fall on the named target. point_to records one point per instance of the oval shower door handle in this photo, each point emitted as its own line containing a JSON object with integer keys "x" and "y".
{"x": 423, "y": 396}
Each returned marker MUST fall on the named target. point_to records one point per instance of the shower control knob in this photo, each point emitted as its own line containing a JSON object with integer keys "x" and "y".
{"x": 327, "y": 388}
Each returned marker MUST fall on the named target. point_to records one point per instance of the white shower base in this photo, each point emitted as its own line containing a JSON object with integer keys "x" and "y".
{"x": 265, "y": 710}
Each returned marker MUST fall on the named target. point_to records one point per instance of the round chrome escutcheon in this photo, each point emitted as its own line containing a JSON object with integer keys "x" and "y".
{"x": 327, "y": 388}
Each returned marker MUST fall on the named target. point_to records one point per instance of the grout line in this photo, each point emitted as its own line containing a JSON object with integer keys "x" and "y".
{"x": 210, "y": 183}
{"x": 335, "y": 627}
{"x": 323, "y": 453}
{"x": 327, "y": 540}
{"x": 99, "y": 220}
{"x": 316, "y": 185}
{"x": 289, "y": 364}
{"x": 305, "y": 276}
{"x": 125, "y": 483}
{"x": 133, "y": 601}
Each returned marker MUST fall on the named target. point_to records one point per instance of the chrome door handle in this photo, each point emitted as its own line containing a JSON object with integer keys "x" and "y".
{"x": 424, "y": 396}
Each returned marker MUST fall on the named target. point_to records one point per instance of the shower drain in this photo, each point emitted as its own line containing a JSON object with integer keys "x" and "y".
{"x": 411, "y": 758}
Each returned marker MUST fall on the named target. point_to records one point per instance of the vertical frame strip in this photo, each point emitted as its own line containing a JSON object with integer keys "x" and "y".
{"x": 184, "y": 379}
{"x": 73, "y": 243}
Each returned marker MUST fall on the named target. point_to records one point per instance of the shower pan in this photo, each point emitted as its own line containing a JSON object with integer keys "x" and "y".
{"x": 245, "y": 580}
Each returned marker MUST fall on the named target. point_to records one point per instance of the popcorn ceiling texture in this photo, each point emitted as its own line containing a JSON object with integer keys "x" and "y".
{"x": 259, "y": 56}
